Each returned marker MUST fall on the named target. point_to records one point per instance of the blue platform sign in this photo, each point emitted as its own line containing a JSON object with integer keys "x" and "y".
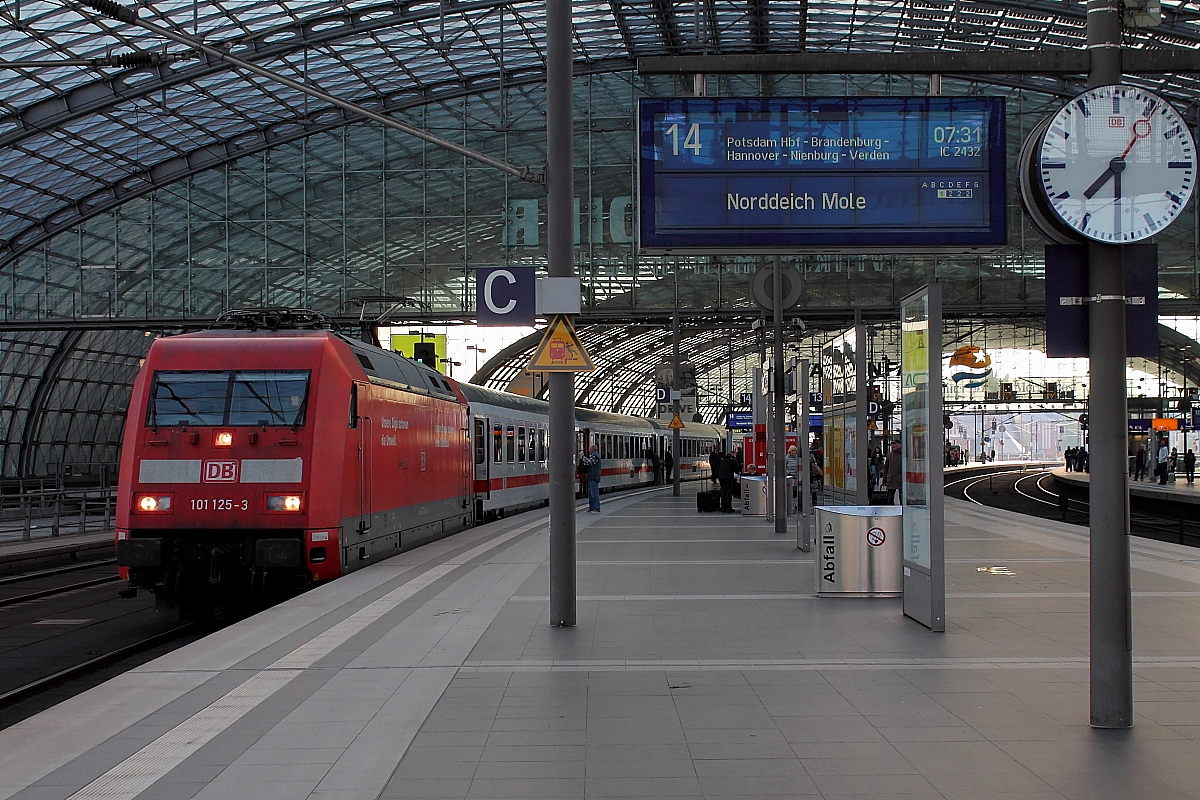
{"x": 505, "y": 296}
{"x": 776, "y": 174}
{"x": 740, "y": 420}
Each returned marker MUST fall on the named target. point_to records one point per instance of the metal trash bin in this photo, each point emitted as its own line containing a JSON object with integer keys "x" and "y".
{"x": 858, "y": 551}
{"x": 754, "y": 495}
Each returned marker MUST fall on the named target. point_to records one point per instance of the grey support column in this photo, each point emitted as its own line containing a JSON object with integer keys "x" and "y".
{"x": 675, "y": 389}
{"x": 804, "y": 530}
{"x": 777, "y": 396}
{"x": 560, "y": 264}
{"x": 1111, "y": 623}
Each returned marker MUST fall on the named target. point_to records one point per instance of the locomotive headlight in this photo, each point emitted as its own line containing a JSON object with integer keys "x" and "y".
{"x": 222, "y": 439}
{"x": 152, "y": 504}
{"x": 283, "y": 502}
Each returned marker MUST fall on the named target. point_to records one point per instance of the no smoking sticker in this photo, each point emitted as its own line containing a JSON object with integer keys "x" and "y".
{"x": 876, "y": 537}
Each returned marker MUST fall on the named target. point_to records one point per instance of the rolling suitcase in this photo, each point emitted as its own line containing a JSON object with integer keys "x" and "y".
{"x": 708, "y": 501}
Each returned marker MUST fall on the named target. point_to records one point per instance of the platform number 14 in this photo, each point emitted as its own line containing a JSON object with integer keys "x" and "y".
{"x": 690, "y": 142}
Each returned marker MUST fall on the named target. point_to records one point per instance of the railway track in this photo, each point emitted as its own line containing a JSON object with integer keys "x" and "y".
{"x": 46, "y": 573}
{"x": 1031, "y": 492}
{"x": 57, "y": 588}
{"x": 63, "y": 630}
{"x": 76, "y": 671}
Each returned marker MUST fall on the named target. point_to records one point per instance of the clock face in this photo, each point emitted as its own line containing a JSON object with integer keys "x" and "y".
{"x": 1117, "y": 164}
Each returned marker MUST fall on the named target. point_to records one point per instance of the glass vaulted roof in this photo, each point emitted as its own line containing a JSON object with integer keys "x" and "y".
{"x": 76, "y": 141}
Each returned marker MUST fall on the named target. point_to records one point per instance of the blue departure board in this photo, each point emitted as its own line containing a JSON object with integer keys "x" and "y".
{"x": 778, "y": 174}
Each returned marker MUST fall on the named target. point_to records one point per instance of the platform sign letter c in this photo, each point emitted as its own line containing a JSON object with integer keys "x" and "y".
{"x": 505, "y": 296}
{"x": 487, "y": 291}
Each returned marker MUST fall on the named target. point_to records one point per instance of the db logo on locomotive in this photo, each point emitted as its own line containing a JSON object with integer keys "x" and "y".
{"x": 220, "y": 471}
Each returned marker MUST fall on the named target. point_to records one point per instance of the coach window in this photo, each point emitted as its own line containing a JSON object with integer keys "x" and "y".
{"x": 532, "y": 443}
{"x": 497, "y": 444}
{"x": 480, "y": 442}
{"x": 521, "y": 445}
{"x": 510, "y": 435}
{"x": 541, "y": 444}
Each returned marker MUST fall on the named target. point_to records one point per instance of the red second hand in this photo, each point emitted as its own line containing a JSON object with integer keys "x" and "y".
{"x": 1136, "y": 127}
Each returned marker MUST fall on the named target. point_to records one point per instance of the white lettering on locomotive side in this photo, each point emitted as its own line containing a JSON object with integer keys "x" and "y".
{"x": 387, "y": 441}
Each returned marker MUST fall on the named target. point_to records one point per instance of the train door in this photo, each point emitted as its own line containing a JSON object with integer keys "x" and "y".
{"x": 483, "y": 464}
{"x": 363, "y": 476}
{"x": 583, "y": 438}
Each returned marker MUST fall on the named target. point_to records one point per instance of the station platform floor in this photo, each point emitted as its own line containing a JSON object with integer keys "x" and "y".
{"x": 1178, "y": 491}
{"x": 702, "y": 667}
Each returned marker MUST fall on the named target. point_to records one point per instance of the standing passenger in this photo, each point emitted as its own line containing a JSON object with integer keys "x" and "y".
{"x": 895, "y": 474}
{"x": 792, "y": 470}
{"x": 714, "y": 463}
{"x": 728, "y": 482}
{"x": 1173, "y": 463}
{"x": 592, "y": 462}
{"x": 1164, "y": 453}
{"x": 1189, "y": 465}
{"x": 670, "y": 467}
{"x": 1139, "y": 464}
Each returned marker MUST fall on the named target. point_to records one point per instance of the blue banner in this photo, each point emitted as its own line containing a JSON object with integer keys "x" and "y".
{"x": 740, "y": 420}
{"x": 757, "y": 174}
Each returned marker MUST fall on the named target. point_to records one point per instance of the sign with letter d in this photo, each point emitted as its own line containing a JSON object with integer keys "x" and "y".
{"x": 505, "y": 296}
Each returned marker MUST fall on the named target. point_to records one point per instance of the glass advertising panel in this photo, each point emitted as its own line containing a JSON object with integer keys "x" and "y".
{"x": 914, "y": 396}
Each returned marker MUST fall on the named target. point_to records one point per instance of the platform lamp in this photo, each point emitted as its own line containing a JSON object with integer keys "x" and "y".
{"x": 477, "y": 350}
{"x": 452, "y": 364}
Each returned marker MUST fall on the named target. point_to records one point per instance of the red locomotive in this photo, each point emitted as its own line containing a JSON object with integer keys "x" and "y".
{"x": 257, "y": 461}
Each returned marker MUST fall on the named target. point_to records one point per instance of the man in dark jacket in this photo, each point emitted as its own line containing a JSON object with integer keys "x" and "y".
{"x": 895, "y": 474}
{"x": 592, "y": 462}
{"x": 655, "y": 464}
{"x": 725, "y": 472}
{"x": 669, "y": 464}
{"x": 714, "y": 463}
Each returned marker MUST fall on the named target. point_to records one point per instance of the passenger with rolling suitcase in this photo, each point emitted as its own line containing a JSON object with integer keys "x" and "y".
{"x": 728, "y": 476}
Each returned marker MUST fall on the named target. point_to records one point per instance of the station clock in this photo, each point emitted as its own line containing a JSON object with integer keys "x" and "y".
{"x": 1116, "y": 164}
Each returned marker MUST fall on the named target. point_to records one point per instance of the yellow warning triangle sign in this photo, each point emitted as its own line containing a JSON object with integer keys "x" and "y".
{"x": 560, "y": 350}
{"x": 676, "y": 423}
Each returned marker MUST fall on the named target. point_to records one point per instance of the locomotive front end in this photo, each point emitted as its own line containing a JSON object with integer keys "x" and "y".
{"x": 216, "y": 501}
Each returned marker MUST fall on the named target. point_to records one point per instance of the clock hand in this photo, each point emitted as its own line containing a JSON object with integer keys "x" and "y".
{"x": 1090, "y": 192}
{"x": 1141, "y": 129}
{"x": 1114, "y": 167}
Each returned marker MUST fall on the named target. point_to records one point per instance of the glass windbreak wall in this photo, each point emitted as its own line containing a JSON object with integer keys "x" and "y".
{"x": 362, "y": 212}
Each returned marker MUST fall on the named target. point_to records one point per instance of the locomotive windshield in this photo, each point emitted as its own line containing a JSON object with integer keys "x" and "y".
{"x": 259, "y": 399}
